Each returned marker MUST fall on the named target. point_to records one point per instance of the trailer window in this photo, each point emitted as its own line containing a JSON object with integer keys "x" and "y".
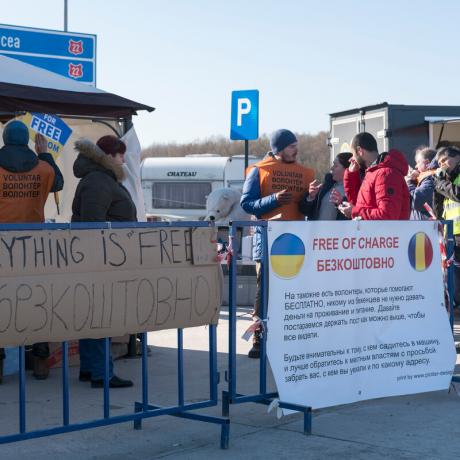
{"x": 180, "y": 195}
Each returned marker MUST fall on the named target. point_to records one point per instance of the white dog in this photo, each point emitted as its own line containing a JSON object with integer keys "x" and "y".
{"x": 223, "y": 206}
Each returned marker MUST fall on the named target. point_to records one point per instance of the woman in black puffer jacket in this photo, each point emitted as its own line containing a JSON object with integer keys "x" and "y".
{"x": 100, "y": 197}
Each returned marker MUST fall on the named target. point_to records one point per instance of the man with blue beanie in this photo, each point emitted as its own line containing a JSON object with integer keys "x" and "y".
{"x": 272, "y": 190}
{"x": 26, "y": 179}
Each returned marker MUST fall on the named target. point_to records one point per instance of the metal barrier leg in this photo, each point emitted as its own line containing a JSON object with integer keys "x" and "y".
{"x": 106, "y": 378}
{"x": 142, "y": 407}
{"x": 22, "y": 390}
{"x": 138, "y": 422}
{"x": 225, "y": 403}
{"x": 307, "y": 421}
{"x": 225, "y": 435}
{"x": 227, "y": 396}
{"x": 306, "y": 410}
{"x": 65, "y": 383}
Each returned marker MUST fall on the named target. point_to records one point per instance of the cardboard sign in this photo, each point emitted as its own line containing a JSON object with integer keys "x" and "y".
{"x": 52, "y": 127}
{"x": 356, "y": 311}
{"x": 68, "y": 284}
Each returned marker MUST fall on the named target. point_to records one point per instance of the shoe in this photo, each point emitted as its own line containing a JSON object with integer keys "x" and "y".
{"x": 254, "y": 352}
{"x": 41, "y": 368}
{"x": 84, "y": 376}
{"x": 114, "y": 382}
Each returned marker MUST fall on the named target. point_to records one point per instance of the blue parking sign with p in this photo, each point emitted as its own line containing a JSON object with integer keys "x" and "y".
{"x": 245, "y": 115}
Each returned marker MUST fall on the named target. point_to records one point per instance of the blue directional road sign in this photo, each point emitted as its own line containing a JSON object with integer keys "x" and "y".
{"x": 245, "y": 115}
{"x": 72, "y": 55}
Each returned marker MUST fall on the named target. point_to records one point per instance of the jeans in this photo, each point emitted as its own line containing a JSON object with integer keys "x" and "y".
{"x": 92, "y": 358}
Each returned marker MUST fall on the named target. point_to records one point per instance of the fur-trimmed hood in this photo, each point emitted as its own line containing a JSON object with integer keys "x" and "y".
{"x": 92, "y": 158}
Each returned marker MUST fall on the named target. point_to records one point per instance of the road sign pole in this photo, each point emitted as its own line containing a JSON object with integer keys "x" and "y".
{"x": 246, "y": 155}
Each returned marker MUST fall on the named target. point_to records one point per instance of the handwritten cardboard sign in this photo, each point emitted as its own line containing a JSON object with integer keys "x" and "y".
{"x": 66, "y": 284}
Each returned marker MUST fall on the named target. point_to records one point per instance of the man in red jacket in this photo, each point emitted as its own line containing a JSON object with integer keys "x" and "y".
{"x": 383, "y": 193}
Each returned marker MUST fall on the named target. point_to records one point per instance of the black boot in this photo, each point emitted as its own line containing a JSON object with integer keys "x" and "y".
{"x": 254, "y": 352}
{"x": 114, "y": 382}
{"x": 41, "y": 368}
{"x": 84, "y": 376}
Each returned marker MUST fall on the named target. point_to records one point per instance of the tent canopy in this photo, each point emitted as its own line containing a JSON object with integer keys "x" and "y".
{"x": 24, "y": 87}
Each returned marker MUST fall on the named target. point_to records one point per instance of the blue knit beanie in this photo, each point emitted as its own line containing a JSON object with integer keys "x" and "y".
{"x": 280, "y": 139}
{"x": 16, "y": 133}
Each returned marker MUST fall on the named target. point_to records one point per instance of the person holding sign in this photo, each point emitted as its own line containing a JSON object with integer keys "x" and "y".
{"x": 272, "y": 190}
{"x": 100, "y": 197}
{"x": 383, "y": 193}
{"x": 322, "y": 200}
{"x": 26, "y": 180}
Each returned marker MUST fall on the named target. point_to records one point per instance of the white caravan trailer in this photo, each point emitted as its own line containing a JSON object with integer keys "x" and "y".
{"x": 177, "y": 187}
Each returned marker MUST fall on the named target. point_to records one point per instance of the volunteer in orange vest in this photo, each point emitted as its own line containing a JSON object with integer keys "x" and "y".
{"x": 26, "y": 179}
{"x": 272, "y": 191}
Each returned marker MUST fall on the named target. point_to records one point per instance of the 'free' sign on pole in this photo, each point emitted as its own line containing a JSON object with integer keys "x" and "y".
{"x": 245, "y": 115}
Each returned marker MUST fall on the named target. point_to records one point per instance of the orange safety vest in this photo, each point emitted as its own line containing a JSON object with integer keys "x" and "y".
{"x": 23, "y": 195}
{"x": 274, "y": 176}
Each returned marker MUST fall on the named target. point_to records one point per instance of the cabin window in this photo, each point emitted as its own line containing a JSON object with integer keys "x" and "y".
{"x": 180, "y": 195}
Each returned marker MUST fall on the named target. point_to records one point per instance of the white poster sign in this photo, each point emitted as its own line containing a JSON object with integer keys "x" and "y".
{"x": 356, "y": 311}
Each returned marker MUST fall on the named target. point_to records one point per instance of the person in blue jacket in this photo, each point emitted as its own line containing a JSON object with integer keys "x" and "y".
{"x": 272, "y": 191}
{"x": 421, "y": 182}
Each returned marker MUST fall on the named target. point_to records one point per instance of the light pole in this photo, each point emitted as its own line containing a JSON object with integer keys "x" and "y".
{"x": 65, "y": 15}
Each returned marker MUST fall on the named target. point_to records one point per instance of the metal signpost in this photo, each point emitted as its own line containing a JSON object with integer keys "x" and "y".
{"x": 72, "y": 55}
{"x": 245, "y": 118}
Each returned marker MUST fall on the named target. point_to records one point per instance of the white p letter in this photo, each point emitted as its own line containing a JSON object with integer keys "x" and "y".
{"x": 244, "y": 107}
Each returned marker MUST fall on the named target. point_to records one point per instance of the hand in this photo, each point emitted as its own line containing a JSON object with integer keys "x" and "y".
{"x": 346, "y": 209}
{"x": 335, "y": 197}
{"x": 354, "y": 165}
{"x": 283, "y": 197}
{"x": 313, "y": 189}
{"x": 41, "y": 144}
{"x": 412, "y": 176}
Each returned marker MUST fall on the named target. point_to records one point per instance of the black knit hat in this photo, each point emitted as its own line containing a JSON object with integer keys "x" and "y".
{"x": 280, "y": 139}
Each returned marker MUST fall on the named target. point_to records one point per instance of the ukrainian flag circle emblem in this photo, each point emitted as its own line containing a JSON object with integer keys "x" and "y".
{"x": 420, "y": 252}
{"x": 287, "y": 255}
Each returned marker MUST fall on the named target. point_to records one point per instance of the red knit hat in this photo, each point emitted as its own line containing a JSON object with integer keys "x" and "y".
{"x": 111, "y": 145}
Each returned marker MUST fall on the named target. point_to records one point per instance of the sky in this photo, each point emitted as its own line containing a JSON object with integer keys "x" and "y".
{"x": 307, "y": 58}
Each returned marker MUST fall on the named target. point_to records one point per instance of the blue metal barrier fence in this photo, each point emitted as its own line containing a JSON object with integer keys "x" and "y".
{"x": 142, "y": 409}
{"x": 231, "y": 396}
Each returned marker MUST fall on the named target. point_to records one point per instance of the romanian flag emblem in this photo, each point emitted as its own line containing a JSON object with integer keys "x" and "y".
{"x": 287, "y": 255}
{"x": 420, "y": 252}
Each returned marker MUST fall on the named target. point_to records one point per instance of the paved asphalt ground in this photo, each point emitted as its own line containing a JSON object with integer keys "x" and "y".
{"x": 425, "y": 426}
